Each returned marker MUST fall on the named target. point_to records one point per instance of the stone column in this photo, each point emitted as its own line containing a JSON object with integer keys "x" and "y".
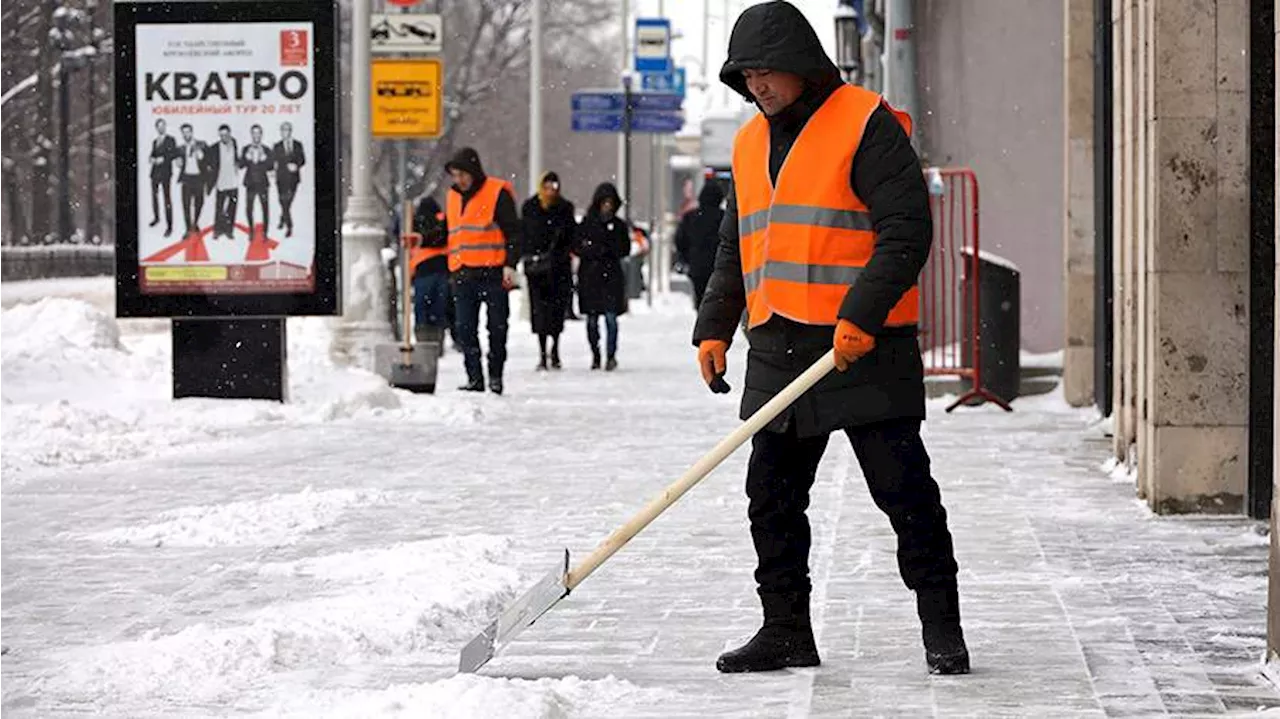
{"x": 1078, "y": 215}
{"x": 1197, "y": 275}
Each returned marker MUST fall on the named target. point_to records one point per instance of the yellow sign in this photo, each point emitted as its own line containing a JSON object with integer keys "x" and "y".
{"x": 185, "y": 274}
{"x": 407, "y": 98}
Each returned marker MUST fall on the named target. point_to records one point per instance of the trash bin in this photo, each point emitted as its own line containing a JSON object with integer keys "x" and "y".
{"x": 633, "y": 269}
{"x": 999, "y": 322}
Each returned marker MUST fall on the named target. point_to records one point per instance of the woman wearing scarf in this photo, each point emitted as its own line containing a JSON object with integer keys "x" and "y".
{"x": 548, "y": 236}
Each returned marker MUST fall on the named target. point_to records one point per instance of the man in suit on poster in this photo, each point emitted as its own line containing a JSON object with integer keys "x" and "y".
{"x": 289, "y": 158}
{"x": 163, "y": 150}
{"x": 192, "y": 178}
{"x": 256, "y": 160}
{"x": 224, "y": 168}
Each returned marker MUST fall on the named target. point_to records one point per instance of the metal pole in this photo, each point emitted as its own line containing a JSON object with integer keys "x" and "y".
{"x": 624, "y": 68}
{"x": 653, "y": 220}
{"x": 726, "y": 29}
{"x": 900, "y": 75}
{"x": 535, "y": 95}
{"x": 626, "y": 147}
{"x": 656, "y": 233}
{"x": 365, "y": 297}
{"x": 706, "y": 44}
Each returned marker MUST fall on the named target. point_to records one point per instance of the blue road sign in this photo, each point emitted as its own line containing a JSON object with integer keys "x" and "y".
{"x": 657, "y": 122}
{"x": 656, "y": 101}
{"x": 653, "y": 44}
{"x": 672, "y": 82}
{"x": 599, "y": 101}
{"x": 616, "y": 101}
{"x": 641, "y": 122}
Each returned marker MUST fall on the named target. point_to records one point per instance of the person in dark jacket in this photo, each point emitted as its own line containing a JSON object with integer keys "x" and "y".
{"x": 429, "y": 257}
{"x": 602, "y": 241}
{"x": 698, "y": 236}
{"x": 484, "y": 249}
{"x": 877, "y": 234}
{"x": 548, "y": 229}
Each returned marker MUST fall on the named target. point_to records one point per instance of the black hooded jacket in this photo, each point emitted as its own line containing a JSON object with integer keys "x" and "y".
{"x": 888, "y": 383}
{"x": 601, "y": 243}
{"x": 698, "y": 235}
{"x": 504, "y": 213}
{"x": 430, "y": 223}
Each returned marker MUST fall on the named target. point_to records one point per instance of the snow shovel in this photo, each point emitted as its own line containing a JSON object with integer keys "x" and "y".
{"x": 561, "y": 580}
{"x": 407, "y": 365}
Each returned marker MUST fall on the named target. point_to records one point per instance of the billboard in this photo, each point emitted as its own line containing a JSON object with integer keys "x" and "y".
{"x": 230, "y": 208}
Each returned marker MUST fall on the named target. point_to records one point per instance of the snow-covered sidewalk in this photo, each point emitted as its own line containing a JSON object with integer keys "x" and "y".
{"x": 330, "y": 557}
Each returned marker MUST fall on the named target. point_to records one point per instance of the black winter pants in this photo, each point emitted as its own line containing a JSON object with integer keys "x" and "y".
{"x": 896, "y": 466}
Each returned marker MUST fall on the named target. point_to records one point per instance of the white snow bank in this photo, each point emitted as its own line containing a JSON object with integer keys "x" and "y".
{"x": 75, "y": 392}
{"x": 56, "y": 327}
{"x": 278, "y": 520}
{"x": 413, "y": 598}
{"x": 467, "y": 696}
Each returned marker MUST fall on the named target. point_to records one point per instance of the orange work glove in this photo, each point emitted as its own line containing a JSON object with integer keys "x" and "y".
{"x": 712, "y": 360}
{"x": 850, "y": 344}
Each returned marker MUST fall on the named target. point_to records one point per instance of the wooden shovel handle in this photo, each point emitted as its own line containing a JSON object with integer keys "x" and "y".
{"x": 700, "y": 469}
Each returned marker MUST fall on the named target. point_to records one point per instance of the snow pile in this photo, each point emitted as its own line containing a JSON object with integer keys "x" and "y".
{"x": 57, "y": 329}
{"x": 466, "y": 696}
{"x": 76, "y": 391}
{"x": 412, "y": 598}
{"x": 278, "y": 520}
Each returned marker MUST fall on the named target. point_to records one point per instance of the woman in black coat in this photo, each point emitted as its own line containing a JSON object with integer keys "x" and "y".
{"x": 600, "y": 244}
{"x": 549, "y": 227}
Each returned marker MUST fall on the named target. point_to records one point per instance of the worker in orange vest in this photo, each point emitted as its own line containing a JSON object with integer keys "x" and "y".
{"x": 824, "y": 236}
{"x": 484, "y": 247}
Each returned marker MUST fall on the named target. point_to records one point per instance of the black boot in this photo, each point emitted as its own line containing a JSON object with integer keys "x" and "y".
{"x": 944, "y": 648}
{"x": 542, "y": 352}
{"x": 611, "y": 364}
{"x": 785, "y": 639}
{"x": 542, "y": 363}
{"x": 473, "y": 385}
{"x": 555, "y": 354}
{"x": 595, "y": 358}
{"x": 495, "y": 385}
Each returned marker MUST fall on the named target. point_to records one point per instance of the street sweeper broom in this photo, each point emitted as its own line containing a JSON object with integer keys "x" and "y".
{"x": 557, "y": 584}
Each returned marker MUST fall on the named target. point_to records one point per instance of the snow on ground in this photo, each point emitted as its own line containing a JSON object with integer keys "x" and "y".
{"x": 330, "y": 556}
{"x": 78, "y": 390}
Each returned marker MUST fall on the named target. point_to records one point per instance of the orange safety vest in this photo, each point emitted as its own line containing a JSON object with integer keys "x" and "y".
{"x": 475, "y": 240}
{"x": 422, "y": 254}
{"x": 804, "y": 242}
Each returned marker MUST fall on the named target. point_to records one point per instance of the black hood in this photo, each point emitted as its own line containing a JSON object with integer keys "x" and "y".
{"x": 711, "y": 195}
{"x": 467, "y": 160}
{"x": 605, "y": 190}
{"x": 776, "y": 36}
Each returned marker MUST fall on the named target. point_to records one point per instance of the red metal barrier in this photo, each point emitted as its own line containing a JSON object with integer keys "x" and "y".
{"x": 950, "y": 345}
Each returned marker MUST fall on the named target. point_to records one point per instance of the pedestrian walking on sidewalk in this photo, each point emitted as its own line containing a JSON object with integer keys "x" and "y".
{"x": 698, "y": 236}
{"x": 484, "y": 247}
{"x": 548, "y": 226}
{"x": 824, "y": 237}
{"x": 602, "y": 241}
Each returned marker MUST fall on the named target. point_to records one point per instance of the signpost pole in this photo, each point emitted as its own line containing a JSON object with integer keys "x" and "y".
{"x": 627, "y": 111}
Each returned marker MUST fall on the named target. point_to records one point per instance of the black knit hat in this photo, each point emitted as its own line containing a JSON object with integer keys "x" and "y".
{"x": 467, "y": 160}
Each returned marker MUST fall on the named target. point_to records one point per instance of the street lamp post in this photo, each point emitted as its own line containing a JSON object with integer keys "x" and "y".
{"x": 365, "y": 296}
{"x": 848, "y": 42}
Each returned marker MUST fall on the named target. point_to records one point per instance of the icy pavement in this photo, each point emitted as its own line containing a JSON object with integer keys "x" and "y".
{"x": 330, "y": 557}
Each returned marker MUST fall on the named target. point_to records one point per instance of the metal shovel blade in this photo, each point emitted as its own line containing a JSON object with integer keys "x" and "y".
{"x": 523, "y": 613}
